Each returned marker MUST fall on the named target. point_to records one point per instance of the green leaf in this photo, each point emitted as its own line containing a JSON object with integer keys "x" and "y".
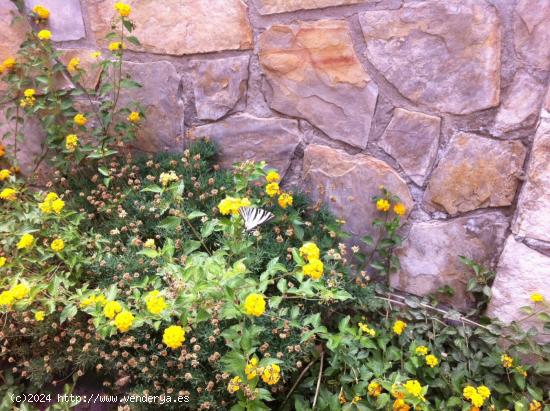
{"x": 134, "y": 40}
{"x": 129, "y": 84}
{"x": 68, "y": 312}
{"x": 170, "y": 223}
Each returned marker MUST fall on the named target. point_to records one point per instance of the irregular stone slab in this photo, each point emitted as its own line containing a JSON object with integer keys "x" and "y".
{"x": 532, "y": 32}
{"x": 65, "y": 21}
{"x": 162, "y": 128}
{"x": 219, "y": 86}
{"x": 92, "y": 70}
{"x": 475, "y": 172}
{"x": 430, "y": 255}
{"x": 314, "y": 74}
{"x": 244, "y": 137}
{"x": 347, "y": 183}
{"x": 179, "y": 27}
{"x": 533, "y": 215}
{"x": 520, "y": 104}
{"x": 521, "y": 271}
{"x": 412, "y": 138}
{"x": 547, "y": 100}
{"x": 444, "y": 54}
{"x": 282, "y": 6}
{"x": 12, "y": 33}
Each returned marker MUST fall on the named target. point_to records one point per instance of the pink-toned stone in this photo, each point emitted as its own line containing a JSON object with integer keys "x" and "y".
{"x": 443, "y": 54}
{"x": 282, "y": 6}
{"x": 532, "y": 32}
{"x": 346, "y": 184}
{"x": 65, "y": 21}
{"x": 179, "y": 27}
{"x": 430, "y": 260}
{"x": 12, "y": 34}
{"x": 412, "y": 138}
{"x": 313, "y": 73}
{"x": 244, "y": 137}
{"x": 475, "y": 172}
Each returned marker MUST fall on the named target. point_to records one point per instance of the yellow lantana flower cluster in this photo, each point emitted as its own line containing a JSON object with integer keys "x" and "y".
{"x": 314, "y": 267}
{"x": 431, "y": 360}
{"x": 155, "y": 302}
{"x": 384, "y": 205}
{"x": 58, "y": 245}
{"x": 399, "y": 326}
{"x": 173, "y": 336}
{"x": 71, "y": 142}
{"x": 8, "y": 194}
{"x": 116, "y": 46}
{"x": 93, "y": 300}
{"x": 41, "y": 12}
{"x": 254, "y": 304}
{"x": 251, "y": 369}
{"x": 271, "y": 374}
{"x": 44, "y": 35}
{"x": 80, "y": 119}
{"x": 15, "y": 293}
{"x": 39, "y": 316}
{"x": 111, "y": 309}
{"x": 537, "y": 298}
{"x": 124, "y": 321}
{"x": 167, "y": 178}
{"x": 52, "y": 204}
{"x": 3, "y": 261}
{"x": 74, "y": 64}
{"x": 272, "y": 187}
{"x": 123, "y": 9}
{"x": 4, "y": 174}
{"x": 477, "y": 396}
{"x": 507, "y": 361}
{"x": 7, "y": 64}
{"x": 134, "y": 117}
{"x": 25, "y": 242}
{"x": 234, "y": 385}
{"x": 29, "y": 98}
{"x": 285, "y": 200}
{"x": 374, "y": 389}
{"x": 231, "y": 205}
{"x": 367, "y": 330}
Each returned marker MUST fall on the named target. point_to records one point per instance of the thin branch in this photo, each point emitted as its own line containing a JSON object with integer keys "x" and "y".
{"x": 319, "y": 379}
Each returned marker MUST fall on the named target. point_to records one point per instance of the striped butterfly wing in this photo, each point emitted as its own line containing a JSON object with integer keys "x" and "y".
{"x": 253, "y": 217}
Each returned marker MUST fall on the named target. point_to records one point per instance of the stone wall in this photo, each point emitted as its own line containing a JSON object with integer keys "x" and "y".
{"x": 444, "y": 102}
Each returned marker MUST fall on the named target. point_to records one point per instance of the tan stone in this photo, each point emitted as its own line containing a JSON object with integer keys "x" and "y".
{"x": 14, "y": 27}
{"x": 532, "y": 32}
{"x": 429, "y": 256}
{"x": 444, "y": 54}
{"x": 521, "y": 272}
{"x": 313, "y": 73}
{"x": 65, "y": 21}
{"x": 533, "y": 215}
{"x": 282, "y": 6}
{"x": 475, "y": 172}
{"x": 91, "y": 69}
{"x": 244, "y": 137}
{"x": 412, "y": 138}
{"x": 179, "y": 27}
{"x": 346, "y": 184}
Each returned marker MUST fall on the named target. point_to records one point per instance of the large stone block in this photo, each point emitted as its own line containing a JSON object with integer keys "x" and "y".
{"x": 346, "y": 184}
{"x": 444, "y": 54}
{"x": 521, "y": 272}
{"x": 314, "y": 74}
{"x": 412, "y": 138}
{"x": 90, "y": 66}
{"x": 179, "y": 27}
{"x": 282, "y": 6}
{"x": 533, "y": 215}
{"x": 65, "y": 21}
{"x": 14, "y": 27}
{"x": 532, "y": 32}
{"x": 220, "y": 86}
{"x": 475, "y": 172}
{"x": 430, "y": 255}
{"x": 244, "y": 137}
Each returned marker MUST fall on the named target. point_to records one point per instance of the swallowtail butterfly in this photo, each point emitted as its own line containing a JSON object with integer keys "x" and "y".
{"x": 253, "y": 217}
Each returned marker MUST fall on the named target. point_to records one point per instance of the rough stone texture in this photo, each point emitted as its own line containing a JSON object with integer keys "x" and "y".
{"x": 346, "y": 184}
{"x": 244, "y": 137}
{"x": 429, "y": 255}
{"x": 92, "y": 70}
{"x": 162, "y": 128}
{"x": 180, "y": 27}
{"x": 519, "y": 104}
{"x": 65, "y": 21}
{"x": 533, "y": 216}
{"x": 220, "y": 86}
{"x": 444, "y": 54}
{"x": 547, "y": 100}
{"x": 12, "y": 33}
{"x": 475, "y": 172}
{"x": 521, "y": 271}
{"x": 532, "y": 32}
{"x": 314, "y": 74}
{"x": 412, "y": 139}
{"x": 282, "y": 6}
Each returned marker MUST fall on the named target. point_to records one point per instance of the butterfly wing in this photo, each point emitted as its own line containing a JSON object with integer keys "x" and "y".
{"x": 253, "y": 217}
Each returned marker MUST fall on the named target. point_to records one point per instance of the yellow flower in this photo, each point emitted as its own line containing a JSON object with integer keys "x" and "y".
{"x": 366, "y": 329}
{"x": 6, "y": 298}
{"x": 115, "y": 46}
{"x": 231, "y": 205}
{"x": 537, "y": 298}
{"x": 4, "y": 174}
{"x": 251, "y": 369}
{"x": 314, "y": 269}
{"x": 374, "y": 389}
{"x": 20, "y": 291}
{"x": 400, "y": 405}
{"x": 271, "y": 374}
{"x": 150, "y": 243}
{"x": 58, "y": 205}
{"x": 44, "y": 34}
{"x": 167, "y": 178}
{"x": 468, "y": 391}
{"x": 58, "y": 245}
{"x": 399, "y": 326}
{"x": 134, "y": 117}
{"x": 383, "y": 205}
{"x": 52, "y": 203}
{"x": 432, "y": 360}
{"x": 272, "y": 177}
{"x": 477, "y": 400}
{"x": 80, "y": 119}
{"x": 484, "y": 392}
{"x": 421, "y": 350}
{"x": 400, "y": 209}
{"x": 9, "y": 63}
{"x": 26, "y": 241}
{"x": 310, "y": 251}
{"x": 272, "y": 189}
{"x": 93, "y": 300}
{"x": 173, "y": 336}
{"x": 96, "y": 54}
{"x": 535, "y": 406}
{"x": 254, "y": 304}
{"x": 155, "y": 302}
{"x": 414, "y": 388}
{"x": 507, "y": 361}
{"x": 39, "y": 315}
{"x": 285, "y": 200}
{"x": 2, "y": 261}
{"x": 41, "y": 11}
{"x": 8, "y": 194}
{"x": 124, "y": 321}
{"x": 233, "y": 385}
{"x": 71, "y": 142}
{"x": 123, "y": 9}
{"x": 74, "y": 64}
{"x": 30, "y": 92}
{"x": 356, "y": 399}
{"x": 111, "y": 309}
